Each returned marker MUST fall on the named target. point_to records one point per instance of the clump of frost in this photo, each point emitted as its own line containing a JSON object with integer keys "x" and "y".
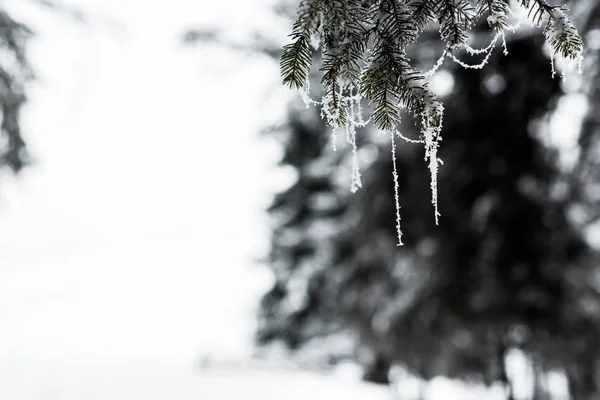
{"x": 436, "y": 66}
{"x": 305, "y": 95}
{"x": 496, "y": 18}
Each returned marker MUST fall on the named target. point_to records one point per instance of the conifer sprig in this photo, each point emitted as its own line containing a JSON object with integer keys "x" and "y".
{"x": 296, "y": 58}
{"x": 562, "y": 35}
{"x": 560, "y": 32}
{"x": 344, "y": 45}
{"x": 295, "y": 63}
{"x": 456, "y": 18}
{"x": 423, "y": 13}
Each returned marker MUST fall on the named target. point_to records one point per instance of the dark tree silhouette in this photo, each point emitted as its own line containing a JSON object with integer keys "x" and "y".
{"x": 508, "y": 268}
{"x": 511, "y": 265}
{"x": 14, "y": 75}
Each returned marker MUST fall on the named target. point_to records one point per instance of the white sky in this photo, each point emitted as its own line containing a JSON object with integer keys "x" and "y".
{"x": 133, "y": 236}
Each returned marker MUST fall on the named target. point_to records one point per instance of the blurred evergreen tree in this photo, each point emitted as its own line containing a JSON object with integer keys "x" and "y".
{"x": 511, "y": 266}
{"x": 15, "y": 72}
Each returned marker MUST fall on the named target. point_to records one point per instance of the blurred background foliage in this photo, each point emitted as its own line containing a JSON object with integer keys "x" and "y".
{"x": 513, "y": 266}
{"x": 15, "y": 72}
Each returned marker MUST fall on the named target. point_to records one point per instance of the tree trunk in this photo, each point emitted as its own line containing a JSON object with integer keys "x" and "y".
{"x": 378, "y": 371}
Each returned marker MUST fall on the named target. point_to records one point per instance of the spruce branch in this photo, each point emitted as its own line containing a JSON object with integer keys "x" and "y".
{"x": 364, "y": 56}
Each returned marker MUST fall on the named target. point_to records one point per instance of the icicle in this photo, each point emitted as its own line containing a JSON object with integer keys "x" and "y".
{"x": 504, "y": 44}
{"x": 580, "y": 64}
{"x": 351, "y": 139}
{"x": 432, "y": 122}
{"x": 396, "y": 196}
{"x": 333, "y": 139}
{"x": 552, "y": 68}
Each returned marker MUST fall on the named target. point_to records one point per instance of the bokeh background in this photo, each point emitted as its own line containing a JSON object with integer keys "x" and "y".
{"x": 182, "y": 229}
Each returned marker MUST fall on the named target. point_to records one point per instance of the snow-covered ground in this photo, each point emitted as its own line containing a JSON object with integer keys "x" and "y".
{"x": 170, "y": 381}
